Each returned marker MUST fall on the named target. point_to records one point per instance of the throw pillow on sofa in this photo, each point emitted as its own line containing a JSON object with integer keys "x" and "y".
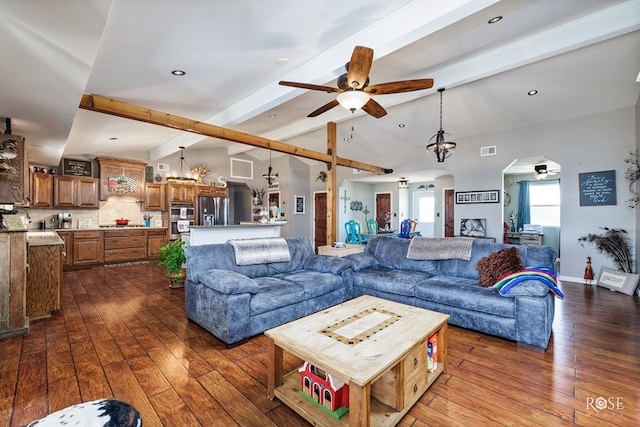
{"x": 497, "y": 265}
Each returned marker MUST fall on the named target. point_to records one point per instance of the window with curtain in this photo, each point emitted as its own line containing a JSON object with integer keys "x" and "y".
{"x": 544, "y": 203}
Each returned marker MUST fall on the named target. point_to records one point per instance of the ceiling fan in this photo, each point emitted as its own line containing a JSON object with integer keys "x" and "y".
{"x": 353, "y": 86}
{"x": 542, "y": 171}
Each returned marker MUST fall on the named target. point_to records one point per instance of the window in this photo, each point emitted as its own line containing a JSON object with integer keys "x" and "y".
{"x": 544, "y": 202}
{"x": 424, "y": 206}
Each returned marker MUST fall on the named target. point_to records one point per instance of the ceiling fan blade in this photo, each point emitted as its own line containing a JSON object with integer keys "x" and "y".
{"x": 375, "y": 109}
{"x": 359, "y": 67}
{"x": 309, "y": 86}
{"x": 399, "y": 86}
{"x": 325, "y": 107}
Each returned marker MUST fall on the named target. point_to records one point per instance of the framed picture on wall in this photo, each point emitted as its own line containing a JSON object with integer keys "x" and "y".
{"x": 486, "y": 196}
{"x": 299, "y": 208}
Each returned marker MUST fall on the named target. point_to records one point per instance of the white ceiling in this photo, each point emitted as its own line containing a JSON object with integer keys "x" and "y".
{"x": 583, "y": 56}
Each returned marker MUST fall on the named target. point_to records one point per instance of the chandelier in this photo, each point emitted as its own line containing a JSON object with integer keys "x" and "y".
{"x": 181, "y": 178}
{"x": 270, "y": 175}
{"x": 441, "y": 147}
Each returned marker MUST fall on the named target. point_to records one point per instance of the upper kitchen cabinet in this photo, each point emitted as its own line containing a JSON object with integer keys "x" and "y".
{"x": 75, "y": 192}
{"x": 41, "y": 190}
{"x": 14, "y": 170}
{"x": 154, "y": 197}
{"x": 121, "y": 178}
{"x": 181, "y": 193}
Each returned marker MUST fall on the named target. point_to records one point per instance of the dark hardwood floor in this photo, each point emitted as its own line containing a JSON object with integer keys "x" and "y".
{"x": 122, "y": 332}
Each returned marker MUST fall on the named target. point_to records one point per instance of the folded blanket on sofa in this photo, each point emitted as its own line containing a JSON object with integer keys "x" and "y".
{"x": 527, "y": 277}
{"x": 260, "y": 250}
{"x": 433, "y": 248}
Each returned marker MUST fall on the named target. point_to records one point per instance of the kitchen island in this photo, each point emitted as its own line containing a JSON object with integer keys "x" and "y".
{"x": 204, "y": 235}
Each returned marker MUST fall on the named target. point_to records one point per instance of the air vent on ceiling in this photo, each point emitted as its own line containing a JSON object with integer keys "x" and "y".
{"x": 163, "y": 167}
{"x": 488, "y": 151}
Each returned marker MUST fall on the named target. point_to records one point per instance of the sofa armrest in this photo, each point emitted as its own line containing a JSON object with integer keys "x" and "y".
{"x": 227, "y": 282}
{"x": 362, "y": 260}
{"x": 326, "y": 264}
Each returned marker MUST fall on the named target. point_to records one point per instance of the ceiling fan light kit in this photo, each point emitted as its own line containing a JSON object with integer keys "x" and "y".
{"x": 353, "y": 99}
{"x": 441, "y": 147}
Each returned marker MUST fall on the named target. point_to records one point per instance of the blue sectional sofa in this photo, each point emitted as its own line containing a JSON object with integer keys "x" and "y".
{"x": 235, "y": 302}
{"x": 450, "y": 286}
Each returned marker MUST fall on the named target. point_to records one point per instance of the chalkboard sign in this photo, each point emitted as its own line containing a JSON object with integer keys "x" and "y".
{"x": 597, "y": 188}
{"x": 76, "y": 167}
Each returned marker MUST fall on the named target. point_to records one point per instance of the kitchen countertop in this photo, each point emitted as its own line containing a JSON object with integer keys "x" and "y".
{"x": 43, "y": 238}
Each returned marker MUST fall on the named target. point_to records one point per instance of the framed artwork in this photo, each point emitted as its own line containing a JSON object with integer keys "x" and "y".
{"x": 299, "y": 207}
{"x": 597, "y": 188}
{"x": 473, "y": 227}
{"x": 487, "y": 196}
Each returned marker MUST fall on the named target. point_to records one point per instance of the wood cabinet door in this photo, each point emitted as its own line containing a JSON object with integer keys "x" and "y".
{"x": 121, "y": 178}
{"x": 189, "y": 193}
{"x": 155, "y": 241}
{"x": 87, "y": 251}
{"x": 87, "y": 193}
{"x": 154, "y": 197}
{"x": 41, "y": 190}
{"x": 64, "y": 191}
{"x": 181, "y": 193}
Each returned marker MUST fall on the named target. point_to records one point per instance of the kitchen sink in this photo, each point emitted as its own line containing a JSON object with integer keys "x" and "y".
{"x": 41, "y": 234}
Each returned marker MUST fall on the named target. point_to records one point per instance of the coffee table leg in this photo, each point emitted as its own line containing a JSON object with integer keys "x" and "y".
{"x": 274, "y": 369}
{"x": 359, "y": 405}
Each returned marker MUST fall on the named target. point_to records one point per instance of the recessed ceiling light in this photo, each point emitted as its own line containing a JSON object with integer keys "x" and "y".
{"x": 178, "y": 72}
{"x": 113, "y": 138}
{"x": 495, "y": 19}
{"x": 271, "y": 116}
{"x": 401, "y": 125}
{"x": 346, "y": 139}
{"x": 283, "y": 61}
{"x": 532, "y": 92}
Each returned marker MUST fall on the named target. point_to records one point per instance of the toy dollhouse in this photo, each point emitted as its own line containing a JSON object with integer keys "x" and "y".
{"x": 324, "y": 390}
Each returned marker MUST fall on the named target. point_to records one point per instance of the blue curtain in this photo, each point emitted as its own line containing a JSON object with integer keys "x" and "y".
{"x": 524, "y": 213}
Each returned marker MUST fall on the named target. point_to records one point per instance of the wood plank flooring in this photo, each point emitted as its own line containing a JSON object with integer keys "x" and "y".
{"x": 122, "y": 332}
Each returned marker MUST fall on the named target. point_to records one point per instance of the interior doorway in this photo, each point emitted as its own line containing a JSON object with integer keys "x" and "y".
{"x": 449, "y": 213}
{"x": 320, "y": 219}
{"x": 383, "y": 206}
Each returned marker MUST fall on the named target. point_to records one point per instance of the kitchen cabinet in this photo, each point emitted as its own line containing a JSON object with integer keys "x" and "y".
{"x": 212, "y": 191}
{"x": 41, "y": 190}
{"x": 75, "y": 192}
{"x": 44, "y": 280}
{"x": 67, "y": 247}
{"x": 87, "y": 247}
{"x": 121, "y": 178}
{"x": 181, "y": 193}
{"x": 156, "y": 238}
{"x": 13, "y": 277}
{"x": 154, "y": 197}
{"x": 125, "y": 245}
{"x": 14, "y": 179}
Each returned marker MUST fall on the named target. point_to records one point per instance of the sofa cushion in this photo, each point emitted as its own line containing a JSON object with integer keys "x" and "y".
{"x": 275, "y": 293}
{"x": 314, "y": 283}
{"x": 227, "y": 282}
{"x": 401, "y": 282}
{"x": 465, "y": 293}
{"x": 391, "y": 252}
{"x": 497, "y": 265}
{"x": 326, "y": 264}
{"x": 362, "y": 260}
{"x": 300, "y": 249}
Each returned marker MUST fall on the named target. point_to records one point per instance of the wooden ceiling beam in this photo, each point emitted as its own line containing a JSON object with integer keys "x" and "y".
{"x": 113, "y": 107}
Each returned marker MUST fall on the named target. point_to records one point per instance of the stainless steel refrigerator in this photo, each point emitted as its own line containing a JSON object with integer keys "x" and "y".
{"x": 213, "y": 210}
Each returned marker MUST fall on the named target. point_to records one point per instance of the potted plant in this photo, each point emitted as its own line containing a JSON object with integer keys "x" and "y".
{"x": 172, "y": 259}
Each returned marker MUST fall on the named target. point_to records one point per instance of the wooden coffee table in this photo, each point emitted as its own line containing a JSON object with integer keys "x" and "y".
{"x": 377, "y": 347}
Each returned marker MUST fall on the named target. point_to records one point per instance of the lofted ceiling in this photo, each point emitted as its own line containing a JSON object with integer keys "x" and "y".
{"x": 583, "y": 56}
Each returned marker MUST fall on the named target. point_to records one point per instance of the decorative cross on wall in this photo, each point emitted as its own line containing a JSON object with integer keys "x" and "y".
{"x": 365, "y": 211}
{"x": 345, "y": 198}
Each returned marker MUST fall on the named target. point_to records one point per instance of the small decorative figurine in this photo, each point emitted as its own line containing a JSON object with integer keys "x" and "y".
{"x": 588, "y": 272}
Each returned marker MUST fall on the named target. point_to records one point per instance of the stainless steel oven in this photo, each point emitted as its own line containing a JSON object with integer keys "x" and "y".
{"x": 181, "y": 217}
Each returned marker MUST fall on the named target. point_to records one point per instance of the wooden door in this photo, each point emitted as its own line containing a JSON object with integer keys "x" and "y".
{"x": 320, "y": 215}
{"x": 449, "y": 203}
{"x": 383, "y": 205}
